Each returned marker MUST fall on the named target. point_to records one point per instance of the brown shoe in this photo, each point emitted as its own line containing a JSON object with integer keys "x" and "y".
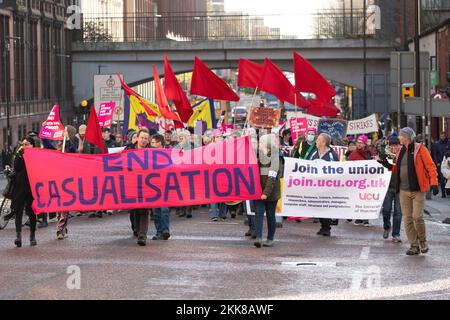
{"x": 424, "y": 247}
{"x": 413, "y": 251}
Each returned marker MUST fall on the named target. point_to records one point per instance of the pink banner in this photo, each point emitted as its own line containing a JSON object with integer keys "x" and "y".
{"x": 146, "y": 178}
{"x": 298, "y": 126}
{"x": 105, "y": 114}
{"x": 52, "y": 129}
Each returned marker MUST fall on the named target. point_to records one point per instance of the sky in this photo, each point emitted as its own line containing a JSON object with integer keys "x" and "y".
{"x": 295, "y": 19}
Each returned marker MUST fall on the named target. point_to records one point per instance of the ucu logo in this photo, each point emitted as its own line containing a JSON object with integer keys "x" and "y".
{"x": 369, "y": 196}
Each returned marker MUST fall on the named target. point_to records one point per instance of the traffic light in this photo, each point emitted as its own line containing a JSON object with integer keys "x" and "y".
{"x": 407, "y": 91}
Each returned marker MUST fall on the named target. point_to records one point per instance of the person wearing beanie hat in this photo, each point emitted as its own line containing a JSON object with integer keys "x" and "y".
{"x": 416, "y": 174}
{"x": 407, "y": 133}
{"x": 361, "y": 152}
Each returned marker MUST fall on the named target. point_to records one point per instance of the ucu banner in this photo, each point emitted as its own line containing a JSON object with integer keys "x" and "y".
{"x": 146, "y": 178}
{"x": 337, "y": 190}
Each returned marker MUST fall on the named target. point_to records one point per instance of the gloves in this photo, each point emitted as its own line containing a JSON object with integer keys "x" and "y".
{"x": 435, "y": 190}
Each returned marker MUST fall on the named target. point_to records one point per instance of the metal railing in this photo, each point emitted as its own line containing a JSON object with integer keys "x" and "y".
{"x": 335, "y": 24}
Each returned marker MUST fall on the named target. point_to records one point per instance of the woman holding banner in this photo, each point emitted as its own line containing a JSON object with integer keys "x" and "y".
{"x": 324, "y": 152}
{"x": 22, "y": 196}
{"x": 270, "y": 170}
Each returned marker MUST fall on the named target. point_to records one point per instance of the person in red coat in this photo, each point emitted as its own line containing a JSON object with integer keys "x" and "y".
{"x": 361, "y": 152}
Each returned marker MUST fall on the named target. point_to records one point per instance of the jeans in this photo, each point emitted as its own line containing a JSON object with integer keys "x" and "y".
{"x": 218, "y": 210}
{"x": 162, "y": 220}
{"x": 392, "y": 196}
{"x": 269, "y": 208}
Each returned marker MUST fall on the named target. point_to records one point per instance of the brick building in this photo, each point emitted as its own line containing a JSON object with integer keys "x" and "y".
{"x": 35, "y": 68}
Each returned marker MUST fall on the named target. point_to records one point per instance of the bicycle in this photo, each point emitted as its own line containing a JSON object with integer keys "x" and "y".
{"x": 5, "y": 212}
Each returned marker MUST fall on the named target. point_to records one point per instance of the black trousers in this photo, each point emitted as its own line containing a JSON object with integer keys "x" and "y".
{"x": 18, "y": 205}
{"x": 139, "y": 222}
{"x": 325, "y": 224}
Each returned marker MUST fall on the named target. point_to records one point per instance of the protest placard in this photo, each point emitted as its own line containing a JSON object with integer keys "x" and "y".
{"x": 336, "y": 128}
{"x": 264, "y": 117}
{"x": 365, "y": 125}
{"x": 52, "y": 128}
{"x": 336, "y": 190}
{"x": 105, "y": 114}
{"x": 298, "y": 126}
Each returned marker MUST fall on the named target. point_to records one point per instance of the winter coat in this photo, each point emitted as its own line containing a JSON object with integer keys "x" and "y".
{"x": 331, "y": 155}
{"x": 424, "y": 167}
{"x": 439, "y": 150}
{"x": 22, "y": 189}
{"x": 302, "y": 150}
{"x": 363, "y": 154}
{"x": 270, "y": 181}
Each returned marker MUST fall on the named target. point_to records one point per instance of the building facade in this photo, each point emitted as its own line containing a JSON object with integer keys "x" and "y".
{"x": 35, "y": 68}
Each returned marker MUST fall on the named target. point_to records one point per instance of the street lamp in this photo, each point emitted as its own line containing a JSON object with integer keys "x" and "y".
{"x": 6, "y": 47}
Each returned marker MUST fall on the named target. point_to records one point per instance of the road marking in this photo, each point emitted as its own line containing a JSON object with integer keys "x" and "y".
{"x": 372, "y": 293}
{"x": 365, "y": 253}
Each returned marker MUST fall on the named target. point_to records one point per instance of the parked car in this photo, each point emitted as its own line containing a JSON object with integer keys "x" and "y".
{"x": 240, "y": 113}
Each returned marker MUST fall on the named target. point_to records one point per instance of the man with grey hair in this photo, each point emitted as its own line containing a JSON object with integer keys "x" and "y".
{"x": 324, "y": 152}
{"x": 416, "y": 174}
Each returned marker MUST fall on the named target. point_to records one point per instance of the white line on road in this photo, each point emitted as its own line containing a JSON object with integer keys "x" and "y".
{"x": 365, "y": 253}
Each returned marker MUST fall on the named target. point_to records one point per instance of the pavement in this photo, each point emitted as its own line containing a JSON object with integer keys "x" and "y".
{"x": 213, "y": 260}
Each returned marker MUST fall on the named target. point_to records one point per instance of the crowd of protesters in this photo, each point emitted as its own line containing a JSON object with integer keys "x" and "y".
{"x": 415, "y": 171}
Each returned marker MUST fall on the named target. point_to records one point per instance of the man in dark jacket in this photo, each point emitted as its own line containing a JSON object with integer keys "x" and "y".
{"x": 140, "y": 216}
{"x": 440, "y": 148}
{"x": 106, "y": 133}
{"x": 391, "y": 195}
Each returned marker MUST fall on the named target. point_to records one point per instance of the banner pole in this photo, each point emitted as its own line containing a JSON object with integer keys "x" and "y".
{"x": 64, "y": 140}
{"x": 248, "y": 112}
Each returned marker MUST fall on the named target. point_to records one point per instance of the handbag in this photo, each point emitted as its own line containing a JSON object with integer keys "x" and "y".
{"x": 8, "y": 192}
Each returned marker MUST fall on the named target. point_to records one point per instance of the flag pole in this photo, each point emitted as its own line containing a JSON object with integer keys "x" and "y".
{"x": 248, "y": 113}
{"x": 64, "y": 140}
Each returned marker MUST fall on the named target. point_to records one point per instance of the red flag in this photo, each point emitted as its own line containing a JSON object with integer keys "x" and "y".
{"x": 205, "y": 83}
{"x": 161, "y": 99}
{"x": 249, "y": 73}
{"x": 174, "y": 92}
{"x": 94, "y": 132}
{"x": 322, "y": 109}
{"x": 274, "y": 81}
{"x": 307, "y": 79}
{"x": 131, "y": 92}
